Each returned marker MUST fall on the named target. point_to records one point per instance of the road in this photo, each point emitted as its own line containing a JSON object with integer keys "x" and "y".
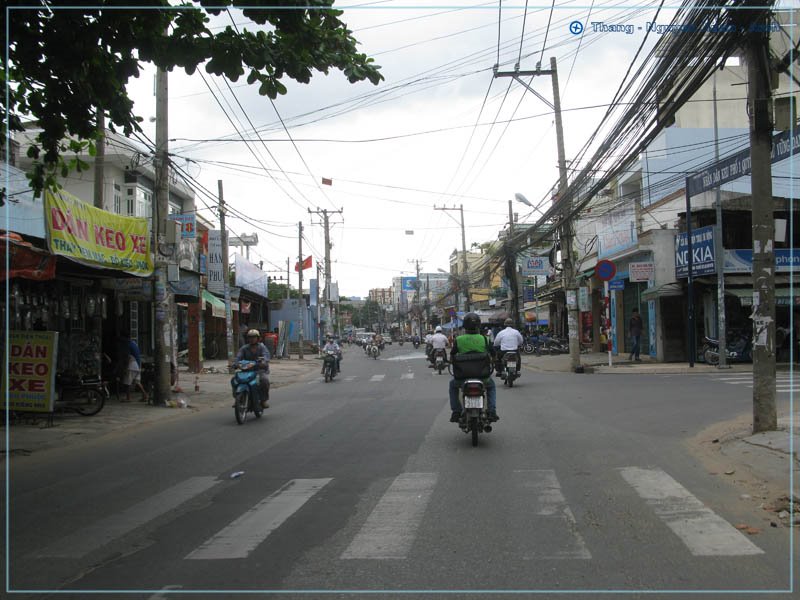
{"x": 362, "y": 484}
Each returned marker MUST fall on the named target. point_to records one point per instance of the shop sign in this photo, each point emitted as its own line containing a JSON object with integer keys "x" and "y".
{"x": 528, "y": 293}
{"x": 702, "y": 253}
{"x": 616, "y": 232}
{"x": 583, "y": 299}
{"x": 95, "y": 237}
{"x": 31, "y": 373}
{"x": 188, "y": 284}
{"x": 535, "y": 265}
{"x": 131, "y": 289}
{"x": 408, "y": 284}
{"x": 216, "y": 279}
{"x": 787, "y": 260}
{"x": 188, "y": 224}
{"x": 641, "y": 271}
{"x": 617, "y": 284}
{"x": 572, "y": 298}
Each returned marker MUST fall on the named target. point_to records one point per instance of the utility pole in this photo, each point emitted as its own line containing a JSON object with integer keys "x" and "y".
{"x": 327, "y": 294}
{"x": 300, "y": 283}
{"x": 511, "y": 271}
{"x": 100, "y": 159}
{"x": 719, "y": 249}
{"x": 225, "y": 276}
{"x": 162, "y": 347}
{"x": 759, "y": 71}
{"x": 565, "y": 234}
{"x": 417, "y": 287}
{"x": 465, "y": 273}
{"x": 288, "y": 259}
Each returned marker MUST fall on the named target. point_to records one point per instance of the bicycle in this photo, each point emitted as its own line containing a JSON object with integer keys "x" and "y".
{"x": 84, "y": 395}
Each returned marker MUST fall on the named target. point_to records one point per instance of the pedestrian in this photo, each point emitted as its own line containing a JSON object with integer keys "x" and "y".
{"x": 635, "y": 330}
{"x": 132, "y": 370}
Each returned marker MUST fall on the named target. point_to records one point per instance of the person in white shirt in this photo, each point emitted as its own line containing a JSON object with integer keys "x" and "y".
{"x": 507, "y": 340}
{"x": 438, "y": 341}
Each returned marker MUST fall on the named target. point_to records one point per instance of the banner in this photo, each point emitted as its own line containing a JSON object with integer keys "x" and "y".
{"x": 95, "y": 237}
{"x": 408, "y": 284}
{"x": 536, "y": 265}
{"x": 214, "y": 266}
{"x": 702, "y": 253}
{"x": 249, "y": 276}
{"x": 31, "y": 371}
{"x": 188, "y": 223}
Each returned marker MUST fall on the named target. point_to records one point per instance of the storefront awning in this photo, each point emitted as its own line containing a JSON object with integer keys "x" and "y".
{"x": 217, "y": 305}
{"x": 665, "y": 289}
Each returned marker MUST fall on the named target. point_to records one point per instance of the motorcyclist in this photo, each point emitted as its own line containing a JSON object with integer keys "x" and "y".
{"x": 472, "y": 341}
{"x": 507, "y": 340}
{"x": 428, "y": 347}
{"x": 439, "y": 341}
{"x": 330, "y": 344}
{"x": 379, "y": 341}
{"x": 254, "y": 350}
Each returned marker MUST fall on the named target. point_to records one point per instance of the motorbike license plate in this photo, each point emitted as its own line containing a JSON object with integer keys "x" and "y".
{"x": 473, "y": 402}
{"x": 512, "y": 361}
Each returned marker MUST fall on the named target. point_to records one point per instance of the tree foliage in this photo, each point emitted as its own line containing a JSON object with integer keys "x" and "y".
{"x": 65, "y": 63}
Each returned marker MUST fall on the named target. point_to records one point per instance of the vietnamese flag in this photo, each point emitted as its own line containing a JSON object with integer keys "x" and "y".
{"x": 306, "y": 264}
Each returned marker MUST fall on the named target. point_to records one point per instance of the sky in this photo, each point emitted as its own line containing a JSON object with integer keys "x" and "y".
{"x": 440, "y": 132}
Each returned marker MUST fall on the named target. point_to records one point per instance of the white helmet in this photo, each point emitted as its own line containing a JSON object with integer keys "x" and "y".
{"x": 438, "y": 329}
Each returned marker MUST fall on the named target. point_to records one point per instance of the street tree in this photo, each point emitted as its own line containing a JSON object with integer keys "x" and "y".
{"x": 66, "y": 66}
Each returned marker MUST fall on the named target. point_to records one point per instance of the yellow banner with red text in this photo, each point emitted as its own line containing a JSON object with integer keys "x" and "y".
{"x": 30, "y": 386}
{"x": 96, "y": 237}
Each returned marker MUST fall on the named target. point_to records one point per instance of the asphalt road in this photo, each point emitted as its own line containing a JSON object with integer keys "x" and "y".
{"x": 362, "y": 484}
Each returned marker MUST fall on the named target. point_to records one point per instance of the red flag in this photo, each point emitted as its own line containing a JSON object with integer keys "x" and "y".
{"x": 306, "y": 264}
{"x": 326, "y": 181}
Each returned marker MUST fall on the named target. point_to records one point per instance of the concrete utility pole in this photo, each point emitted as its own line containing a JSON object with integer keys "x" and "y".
{"x": 511, "y": 268}
{"x": 226, "y": 290}
{"x": 100, "y": 159}
{"x": 465, "y": 270}
{"x": 719, "y": 250}
{"x": 300, "y": 283}
{"x": 288, "y": 263}
{"x": 162, "y": 346}
{"x": 327, "y": 295}
{"x": 567, "y": 265}
{"x": 759, "y": 70}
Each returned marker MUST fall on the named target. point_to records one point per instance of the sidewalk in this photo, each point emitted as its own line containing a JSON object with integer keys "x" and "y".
{"x": 33, "y": 435}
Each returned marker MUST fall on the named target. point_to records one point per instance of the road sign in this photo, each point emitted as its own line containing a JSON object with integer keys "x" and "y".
{"x": 605, "y": 270}
{"x": 617, "y": 284}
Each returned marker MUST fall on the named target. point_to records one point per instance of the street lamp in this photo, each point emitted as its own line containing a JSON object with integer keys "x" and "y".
{"x": 523, "y": 199}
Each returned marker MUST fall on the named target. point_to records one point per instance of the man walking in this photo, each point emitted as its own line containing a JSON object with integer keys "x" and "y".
{"x": 635, "y": 329}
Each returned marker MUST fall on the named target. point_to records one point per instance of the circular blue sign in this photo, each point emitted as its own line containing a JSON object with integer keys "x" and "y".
{"x": 605, "y": 270}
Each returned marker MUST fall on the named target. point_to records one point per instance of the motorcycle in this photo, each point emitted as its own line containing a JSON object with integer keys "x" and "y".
{"x": 85, "y": 395}
{"x": 373, "y": 351}
{"x": 738, "y": 350}
{"x": 440, "y": 362}
{"x": 329, "y": 365}
{"x": 246, "y": 391}
{"x": 416, "y": 344}
{"x": 509, "y": 372}
{"x": 474, "y": 414}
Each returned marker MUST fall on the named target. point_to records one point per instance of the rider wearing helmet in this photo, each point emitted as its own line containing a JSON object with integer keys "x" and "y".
{"x": 507, "y": 340}
{"x": 330, "y": 344}
{"x": 439, "y": 341}
{"x": 472, "y": 341}
{"x": 256, "y": 351}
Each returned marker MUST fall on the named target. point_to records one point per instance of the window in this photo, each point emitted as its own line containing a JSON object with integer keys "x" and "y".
{"x": 144, "y": 203}
{"x": 130, "y": 206}
{"x": 117, "y": 199}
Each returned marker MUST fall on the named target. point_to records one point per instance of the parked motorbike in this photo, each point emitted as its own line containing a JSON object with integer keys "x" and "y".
{"x": 247, "y": 397}
{"x": 509, "y": 371}
{"x": 474, "y": 404}
{"x": 329, "y": 365}
{"x": 440, "y": 362}
{"x": 85, "y": 395}
{"x": 739, "y": 349}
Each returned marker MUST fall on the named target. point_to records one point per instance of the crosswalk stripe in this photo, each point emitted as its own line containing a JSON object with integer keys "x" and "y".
{"x": 377, "y": 377}
{"x": 407, "y": 376}
{"x": 350, "y": 378}
{"x": 105, "y": 530}
{"x": 549, "y": 502}
{"x": 241, "y": 537}
{"x": 391, "y": 527}
{"x": 703, "y": 531}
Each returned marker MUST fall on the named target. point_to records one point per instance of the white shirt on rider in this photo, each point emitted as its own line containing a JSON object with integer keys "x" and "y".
{"x": 439, "y": 341}
{"x": 508, "y": 340}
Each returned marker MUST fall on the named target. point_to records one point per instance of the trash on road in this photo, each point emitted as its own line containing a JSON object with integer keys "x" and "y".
{"x": 237, "y": 474}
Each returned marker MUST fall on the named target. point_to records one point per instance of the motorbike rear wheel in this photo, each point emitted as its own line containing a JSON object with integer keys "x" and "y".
{"x": 240, "y": 407}
{"x": 528, "y": 348}
{"x": 257, "y": 409}
{"x": 711, "y": 357}
{"x": 473, "y": 426}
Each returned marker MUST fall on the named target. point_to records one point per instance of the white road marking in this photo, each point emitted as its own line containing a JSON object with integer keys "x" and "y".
{"x": 548, "y": 501}
{"x": 243, "y": 535}
{"x": 703, "y": 531}
{"x": 377, "y": 377}
{"x": 414, "y": 356}
{"x": 407, "y": 376}
{"x": 350, "y": 378}
{"x": 391, "y": 528}
{"x": 105, "y": 530}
